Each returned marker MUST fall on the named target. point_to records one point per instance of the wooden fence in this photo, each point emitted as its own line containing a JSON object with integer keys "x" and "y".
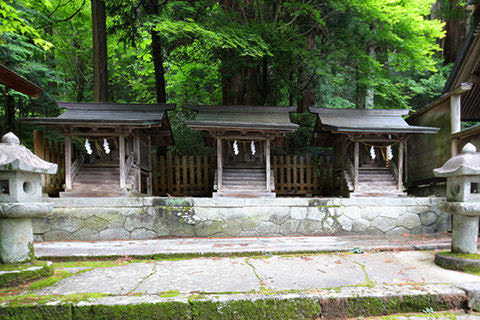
{"x": 183, "y": 175}
{"x": 303, "y": 175}
{"x": 50, "y": 151}
{"x": 193, "y": 175}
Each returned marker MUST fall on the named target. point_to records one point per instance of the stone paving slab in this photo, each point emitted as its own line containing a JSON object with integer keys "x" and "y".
{"x": 242, "y": 245}
{"x": 112, "y": 280}
{"x": 201, "y": 275}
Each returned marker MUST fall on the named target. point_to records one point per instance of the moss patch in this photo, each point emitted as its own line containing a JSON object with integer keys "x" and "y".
{"x": 24, "y": 275}
{"x": 261, "y": 309}
{"x": 469, "y": 256}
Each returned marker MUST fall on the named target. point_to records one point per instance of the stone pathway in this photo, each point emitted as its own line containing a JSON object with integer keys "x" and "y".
{"x": 239, "y": 246}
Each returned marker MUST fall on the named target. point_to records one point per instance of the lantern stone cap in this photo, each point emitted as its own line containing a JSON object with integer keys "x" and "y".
{"x": 14, "y": 157}
{"x": 467, "y": 163}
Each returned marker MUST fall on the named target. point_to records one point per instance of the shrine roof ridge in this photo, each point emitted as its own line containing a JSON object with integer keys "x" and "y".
{"x": 241, "y": 108}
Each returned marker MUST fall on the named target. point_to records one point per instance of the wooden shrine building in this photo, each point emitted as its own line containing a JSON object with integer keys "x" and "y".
{"x": 115, "y": 139}
{"x": 369, "y": 147}
{"x": 243, "y": 136}
{"x": 456, "y": 112}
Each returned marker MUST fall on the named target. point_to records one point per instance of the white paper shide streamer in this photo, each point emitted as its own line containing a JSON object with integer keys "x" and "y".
{"x": 88, "y": 147}
{"x": 106, "y": 146}
{"x": 252, "y": 147}
{"x": 389, "y": 152}
{"x": 373, "y": 155}
{"x": 235, "y": 147}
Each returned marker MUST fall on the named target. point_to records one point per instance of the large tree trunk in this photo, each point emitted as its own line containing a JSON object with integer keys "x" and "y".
{"x": 100, "y": 57}
{"x": 9, "y": 112}
{"x": 157, "y": 56}
{"x": 306, "y": 83}
{"x": 158, "y": 67}
{"x": 455, "y": 28}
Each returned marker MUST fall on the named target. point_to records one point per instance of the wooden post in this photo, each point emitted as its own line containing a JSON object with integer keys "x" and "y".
{"x": 138, "y": 174}
{"x": 38, "y": 143}
{"x": 455, "y": 120}
{"x": 356, "y": 162}
{"x": 400, "y": 165}
{"x": 267, "y": 163}
{"x": 219, "y": 165}
{"x": 121, "y": 159}
{"x": 68, "y": 162}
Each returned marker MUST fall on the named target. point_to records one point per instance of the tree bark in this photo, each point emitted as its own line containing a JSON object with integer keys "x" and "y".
{"x": 100, "y": 56}
{"x": 157, "y": 56}
{"x": 455, "y": 31}
{"x": 10, "y": 113}
{"x": 158, "y": 67}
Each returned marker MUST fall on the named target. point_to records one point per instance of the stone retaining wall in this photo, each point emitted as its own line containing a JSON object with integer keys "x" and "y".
{"x": 153, "y": 217}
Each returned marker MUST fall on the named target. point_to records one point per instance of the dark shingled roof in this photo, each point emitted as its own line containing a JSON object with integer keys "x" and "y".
{"x": 107, "y": 114}
{"x": 15, "y": 81}
{"x": 242, "y": 117}
{"x": 367, "y": 121}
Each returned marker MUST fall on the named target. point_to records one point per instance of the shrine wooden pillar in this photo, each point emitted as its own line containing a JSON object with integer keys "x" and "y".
{"x": 400, "y": 165}
{"x": 455, "y": 120}
{"x": 267, "y": 163}
{"x": 68, "y": 162}
{"x": 138, "y": 174}
{"x": 219, "y": 165}
{"x": 356, "y": 164}
{"x": 121, "y": 159}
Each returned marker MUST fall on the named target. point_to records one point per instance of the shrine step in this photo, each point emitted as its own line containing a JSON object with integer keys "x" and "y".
{"x": 92, "y": 194}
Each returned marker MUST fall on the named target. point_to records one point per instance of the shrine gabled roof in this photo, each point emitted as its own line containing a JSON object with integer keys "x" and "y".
{"x": 242, "y": 117}
{"x": 367, "y": 121}
{"x": 106, "y": 114}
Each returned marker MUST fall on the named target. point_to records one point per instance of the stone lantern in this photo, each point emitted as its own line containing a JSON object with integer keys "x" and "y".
{"x": 20, "y": 198}
{"x": 463, "y": 196}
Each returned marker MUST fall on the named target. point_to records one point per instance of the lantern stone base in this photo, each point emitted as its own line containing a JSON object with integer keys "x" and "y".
{"x": 453, "y": 261}
{"x": 16, "y": 240}
{"x": 464, "y": 234}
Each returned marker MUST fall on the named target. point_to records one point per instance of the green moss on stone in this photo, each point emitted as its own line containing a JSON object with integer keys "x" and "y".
{"x": 142, "y": 311}
{"x": 458, "y": 255}
{"x": 365, "y": 306}
{"x": 59, "y": 312}
{"x": 261, "y": 309}
{"x": 16, "y": 278}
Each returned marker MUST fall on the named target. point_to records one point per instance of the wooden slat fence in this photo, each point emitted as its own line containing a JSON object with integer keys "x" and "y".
{"x": 177, "y": 175}
{"x": 51, "y": 151}
{"x": 193, "y": 175}
{"x": 305, "y": 175}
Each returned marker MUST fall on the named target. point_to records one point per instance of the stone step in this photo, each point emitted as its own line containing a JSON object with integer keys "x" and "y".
{"x": 92, "y": 194}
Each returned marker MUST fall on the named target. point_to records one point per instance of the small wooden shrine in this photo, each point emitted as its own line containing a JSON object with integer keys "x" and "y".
{"x": 243, "y": 136}
{"x": 369, "y": 147}
{"x": 116, "y": 140}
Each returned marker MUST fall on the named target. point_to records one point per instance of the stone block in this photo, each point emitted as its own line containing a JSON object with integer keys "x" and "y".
{"x": 57, "y": 235}
{"x": 114, "y": 234}
{"x": 350, "y": 212}
{"x": 428, "y": 218}
{"x": 311, "y": 228}
{"x": 86, "y": 234}
{"x": 298, "y": 213}
{"x": 360, "y": 225}
{"x": 316, "y": 213}
{"x": 16, "y": 240}
{"x": 267, "y": 228}
{"x": 409, "y": 221}
{"x": 289, "y": 228}
{"x": 142, "y": 233}
{"x": 383, "y": 224}
{"x": 345, "y": 223}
